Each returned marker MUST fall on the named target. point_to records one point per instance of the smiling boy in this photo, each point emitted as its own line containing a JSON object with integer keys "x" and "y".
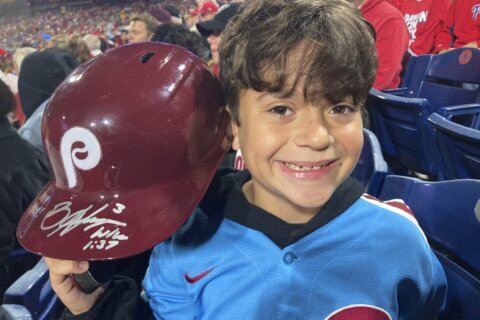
{"x": 293, "y": 237}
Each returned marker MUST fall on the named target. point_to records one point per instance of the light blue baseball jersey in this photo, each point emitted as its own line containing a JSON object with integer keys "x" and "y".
{"x": 370, "y": 262}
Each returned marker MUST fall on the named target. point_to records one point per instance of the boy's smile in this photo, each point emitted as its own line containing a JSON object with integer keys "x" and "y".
{"x": 297, "y": 153}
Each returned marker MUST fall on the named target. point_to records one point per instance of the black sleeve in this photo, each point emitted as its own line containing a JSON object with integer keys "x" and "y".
{"x": 121, "y": 301}
{"x": 11, "y": 198}
{"x": 17, "y": 191}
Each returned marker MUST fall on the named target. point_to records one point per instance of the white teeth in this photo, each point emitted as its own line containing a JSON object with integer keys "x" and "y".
{"x": 302, "y": 168}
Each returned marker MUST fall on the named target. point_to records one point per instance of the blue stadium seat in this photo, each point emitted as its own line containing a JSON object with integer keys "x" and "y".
{"x": 449, "y": 214}
{"x": 406, "y": 139}
{"x": 31, "y": 296}
{"x": 463, "y": 294}
{"x": 14, "y": 266}
{"x": 371, "y": 168}
{"x": 399, "y": 117}
{"x": 467, "y": 115}
{"x": 459, "y": 145}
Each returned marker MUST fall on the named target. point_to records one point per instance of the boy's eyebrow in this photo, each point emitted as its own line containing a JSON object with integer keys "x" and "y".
{"x": 280, "y": 94}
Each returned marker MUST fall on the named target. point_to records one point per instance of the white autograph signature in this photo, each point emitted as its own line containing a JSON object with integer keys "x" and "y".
{"x": 71, "y": 220}
{"x": 107, "y": 239}
{"x": 102, "y": 238}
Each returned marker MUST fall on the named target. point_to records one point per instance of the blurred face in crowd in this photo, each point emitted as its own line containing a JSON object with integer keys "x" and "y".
{"x": 208, "y": 16}
{"x": 138, "y": 32}
{"x": 190, "y": 20}
{"x": 213, "y": 41}
{"x": 124, "y": 36}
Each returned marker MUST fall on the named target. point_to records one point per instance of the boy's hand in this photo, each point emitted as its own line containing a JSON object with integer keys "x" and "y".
{"x": 73, "y": 298}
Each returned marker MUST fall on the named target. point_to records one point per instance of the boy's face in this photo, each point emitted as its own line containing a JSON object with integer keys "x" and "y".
{"x": 297, "y": 153}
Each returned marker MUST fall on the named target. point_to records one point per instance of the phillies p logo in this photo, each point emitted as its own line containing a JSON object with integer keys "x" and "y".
{"x": 70, "y": 155}
{"x": 475, "y": 11}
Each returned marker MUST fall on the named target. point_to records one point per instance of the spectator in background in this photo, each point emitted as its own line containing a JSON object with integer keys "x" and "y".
{"x": 10, "y": 77}
{"x": 174, "y": 12}
{"x": 201, "y": 2}
{"x": 18, "y": 56}
{"x": 142, "y": 27}
{"x": 61, "y": 41}
{"x": 7, "y": 69}
{"x": 190, "y": 20}
{"x": 23, "y": 173}
{"x": 79, "y": 49}
{"x": 391, "y": 40}
{"x": 181, "y": 36}
{"x": 93, "y": 43}
{"x": 207, "y": 11}
{"x": 41, "y": 73}
{"x": 423, "y": 19}
{"x": 213, "y": 28}
{"x": 123, "y": 37}
{"x": 460, "y": 27}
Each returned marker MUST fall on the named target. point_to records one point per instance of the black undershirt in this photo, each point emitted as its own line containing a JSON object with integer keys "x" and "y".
{"x": 283, "y": 234}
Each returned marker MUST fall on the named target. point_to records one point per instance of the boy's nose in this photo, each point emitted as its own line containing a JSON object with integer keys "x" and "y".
{"x": 313, "y": 133}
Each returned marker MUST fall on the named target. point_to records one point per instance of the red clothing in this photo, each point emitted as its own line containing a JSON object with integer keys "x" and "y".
{"x": 396, "y": 3}
{"x": 423, "y": 18}
{"x": 19, "y": 115}
{"x": 463, "y": 19}
{"x": 391, "y": 42}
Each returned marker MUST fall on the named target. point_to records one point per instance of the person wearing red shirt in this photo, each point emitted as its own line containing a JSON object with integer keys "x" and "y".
{"x": 423, "y": 18}
{"x": 460, "y": 27}
{"x": 391, "y": 41}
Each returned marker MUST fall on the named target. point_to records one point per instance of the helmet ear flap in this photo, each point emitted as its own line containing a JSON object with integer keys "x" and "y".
{"x": 134, "y": 137}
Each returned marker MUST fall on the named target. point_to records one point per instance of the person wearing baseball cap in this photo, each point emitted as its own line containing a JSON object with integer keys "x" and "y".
{"x": 207, "y": 11}
{"x": 213, "y": 28}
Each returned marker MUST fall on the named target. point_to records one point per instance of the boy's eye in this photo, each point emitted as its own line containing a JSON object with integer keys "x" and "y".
{"x": 280, "y": 110}
{"x": 342, "y": 109}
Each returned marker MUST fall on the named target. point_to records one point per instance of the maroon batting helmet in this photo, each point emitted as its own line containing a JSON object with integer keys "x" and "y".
{"x": 133, "y": 137}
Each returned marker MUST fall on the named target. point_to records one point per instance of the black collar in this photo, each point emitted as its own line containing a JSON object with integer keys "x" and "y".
{"x": 283, "y": 234}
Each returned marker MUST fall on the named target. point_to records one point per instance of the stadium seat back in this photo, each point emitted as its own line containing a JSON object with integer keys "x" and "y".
{"x": 447, "y": 211}
{"x": 467, "y": 115}
{"x": 463, "y": 292}
{"x": 371, "y": 168}
{"x": 451, "y": 78}
{"x": 459, "y": 146}
{"x": 414, "y": 75}
{"x": 34, "y": 294}
{"x": 405, "y": 136}
{"x": 449, "y": 214}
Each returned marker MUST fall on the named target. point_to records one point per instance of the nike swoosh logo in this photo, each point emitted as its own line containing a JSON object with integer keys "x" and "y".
{"x": 198, "y": 277}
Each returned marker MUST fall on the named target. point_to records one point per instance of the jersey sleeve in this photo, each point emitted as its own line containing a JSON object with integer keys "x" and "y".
{"x": 168, "y": 297}
{"x": 427, "y": 297}
{"x": 444, "y": 37}
{"x": 391, "y": 43}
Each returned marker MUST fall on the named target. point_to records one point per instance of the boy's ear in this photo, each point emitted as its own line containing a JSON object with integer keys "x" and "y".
{"x": 234, "y": 131}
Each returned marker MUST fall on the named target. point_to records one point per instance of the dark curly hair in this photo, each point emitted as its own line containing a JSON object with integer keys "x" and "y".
{"x": 181, "y": 36}
{"x": 324, "y": 45}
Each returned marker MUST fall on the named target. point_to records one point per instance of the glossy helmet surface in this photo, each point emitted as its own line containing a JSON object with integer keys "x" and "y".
{"x": 133, "y": 137}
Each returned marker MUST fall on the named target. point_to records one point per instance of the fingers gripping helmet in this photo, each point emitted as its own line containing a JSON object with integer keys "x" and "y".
{"x": 133, "y": 138}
